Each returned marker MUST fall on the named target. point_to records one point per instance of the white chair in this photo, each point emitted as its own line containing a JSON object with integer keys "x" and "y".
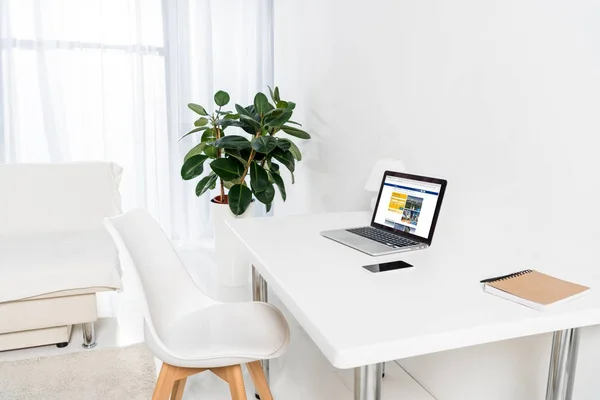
{"x": 187, "y": 330}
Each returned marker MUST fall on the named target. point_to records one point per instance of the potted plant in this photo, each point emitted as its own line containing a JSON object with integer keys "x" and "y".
{"x": 249, "y": 167}
{"x": 247, "y": 163}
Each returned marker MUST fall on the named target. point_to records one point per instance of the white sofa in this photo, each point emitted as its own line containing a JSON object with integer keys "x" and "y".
{"x": 55, "y": 253}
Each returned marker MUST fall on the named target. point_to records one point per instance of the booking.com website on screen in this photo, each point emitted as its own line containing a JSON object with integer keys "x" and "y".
{"x": 407, "y": 205}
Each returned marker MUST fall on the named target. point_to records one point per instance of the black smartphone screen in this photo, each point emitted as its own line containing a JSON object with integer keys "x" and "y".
{"x": 390, "y": 266}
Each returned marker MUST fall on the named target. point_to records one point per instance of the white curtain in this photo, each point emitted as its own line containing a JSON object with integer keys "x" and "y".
{"x": 111, "y": 79}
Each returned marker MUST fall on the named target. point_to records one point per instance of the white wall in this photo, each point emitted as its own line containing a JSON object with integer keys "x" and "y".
{"x": 501, "y": 97}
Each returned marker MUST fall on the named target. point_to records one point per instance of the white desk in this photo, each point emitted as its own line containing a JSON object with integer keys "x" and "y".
{"x": 360, "y": 320}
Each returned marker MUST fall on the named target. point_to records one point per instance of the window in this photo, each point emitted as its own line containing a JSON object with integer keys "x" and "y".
{"x": 85, "y": 80}
{"x": 110, "y": 80}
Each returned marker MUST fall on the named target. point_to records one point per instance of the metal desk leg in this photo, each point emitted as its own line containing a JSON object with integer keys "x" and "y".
{"x": 367, "y": 382}
{"x": 260, "y": 293}
{"x": 563, "y": 361}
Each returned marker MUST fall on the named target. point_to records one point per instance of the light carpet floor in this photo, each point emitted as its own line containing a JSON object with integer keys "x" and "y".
{"x": 126, "y": 373}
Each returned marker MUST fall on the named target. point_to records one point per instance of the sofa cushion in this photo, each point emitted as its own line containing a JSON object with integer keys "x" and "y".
{"x": 34, "y": 265}
{"x": 44, "y": 198}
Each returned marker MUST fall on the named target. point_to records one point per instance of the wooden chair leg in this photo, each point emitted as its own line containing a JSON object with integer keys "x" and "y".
{"x": 165, "y": 382}
{"x": 171, "y": 381}
{"x": 236, "y": 382}
{"x": 260, "y": 382}
{"x": 221, "y": 372}
{"x": 178, "y": 387}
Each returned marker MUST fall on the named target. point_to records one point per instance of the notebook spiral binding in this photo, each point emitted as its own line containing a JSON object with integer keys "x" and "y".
{"x": 511, "y": 276}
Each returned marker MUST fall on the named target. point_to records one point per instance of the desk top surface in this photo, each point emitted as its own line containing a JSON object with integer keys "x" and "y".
{"x": 357, "y": 318}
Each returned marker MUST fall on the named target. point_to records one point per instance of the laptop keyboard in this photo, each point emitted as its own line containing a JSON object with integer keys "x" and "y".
{"x": 378, "y": 235}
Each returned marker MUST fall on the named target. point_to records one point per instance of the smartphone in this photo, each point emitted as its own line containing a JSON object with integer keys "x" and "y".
{"x": 390, "y": 266}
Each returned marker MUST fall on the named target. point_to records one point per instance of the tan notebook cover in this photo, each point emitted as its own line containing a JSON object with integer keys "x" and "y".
{"x": 537, "y": 287}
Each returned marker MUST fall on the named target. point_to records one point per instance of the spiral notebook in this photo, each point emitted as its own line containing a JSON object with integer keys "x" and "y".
{"x": 533, "y": 289}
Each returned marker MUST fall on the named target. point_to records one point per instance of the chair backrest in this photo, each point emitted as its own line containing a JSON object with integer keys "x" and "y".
{"x": 50, "y": 198}
{"x": 168, "y": 290}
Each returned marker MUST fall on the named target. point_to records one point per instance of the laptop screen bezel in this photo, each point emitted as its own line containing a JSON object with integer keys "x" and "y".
{"x": 438, "y": 206}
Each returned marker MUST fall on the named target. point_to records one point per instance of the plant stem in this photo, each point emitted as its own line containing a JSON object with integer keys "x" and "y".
{"x": 222, "y": 192}
{"x": 218, "y": 135}
{"x": 250, "y": 159}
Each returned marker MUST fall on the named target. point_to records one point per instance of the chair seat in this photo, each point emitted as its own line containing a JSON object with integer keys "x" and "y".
{"x": 36, "y": 265}
{"x": 225, "y": 334}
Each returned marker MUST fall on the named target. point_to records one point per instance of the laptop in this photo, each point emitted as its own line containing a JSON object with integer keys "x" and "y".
{"x": 404, "y": 218}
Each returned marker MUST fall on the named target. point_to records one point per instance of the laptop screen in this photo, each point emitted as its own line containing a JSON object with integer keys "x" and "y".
{"x": 407, "y": 205}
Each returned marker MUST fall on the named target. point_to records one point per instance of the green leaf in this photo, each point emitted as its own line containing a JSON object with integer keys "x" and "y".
{"x": 276, "y": 112}
{"x": 211, "y": 151}
{"x": 259, "y": 156}
{"x": 228, "y": 184}
{"x": 233, "y": 142}
{"x": 264, "y": 144}
{"x": 280, "y": 185}
{"x": 240, "y": 198}
{"x": 201, "y": 121}
{"x": 294, "y": 122}
{"x": 277, "y": 98}
{"x": 252, "y": 110}
{"x": 225, "y": 123}
{"x": 295, "y": 151}
{"x": 280, "y": 120}
{"x": 272, "y": 94}
{"x": 272, "y": 166}
{"x": 231, "y": 116}
{"x": 286, "y": 158}
{"x": 259, "y": 179}
{"x": 221, "y": 98}
{"x": 240, "y": 155}
{"x": 248, "y": 128}
{"x": 223, "y": 112}
{"x": 268, "y": 206}
{"x": 193, "y": 167}
{"x": 198, "y": 109}
{"x": 196, "y": 150}
{"x": 250, "y": 122}
{"x": 242, "y": 111}
{"x": 267, "y": 195}
{"x": 209, "y": 135}
{"x": 290, "y": 105}
{"x": 284, "y": 144}
{"x": 194, "y": 131}
{"x": 282, "y": 104}
{"x": 227, "y": 168}
{"x": 261, "y": 104}
{"x": 206, "y": 183}
{"x": 299, "y": 133}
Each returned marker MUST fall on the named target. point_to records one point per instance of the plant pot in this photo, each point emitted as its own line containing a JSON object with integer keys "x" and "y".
{"x": 231, "y": 259}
